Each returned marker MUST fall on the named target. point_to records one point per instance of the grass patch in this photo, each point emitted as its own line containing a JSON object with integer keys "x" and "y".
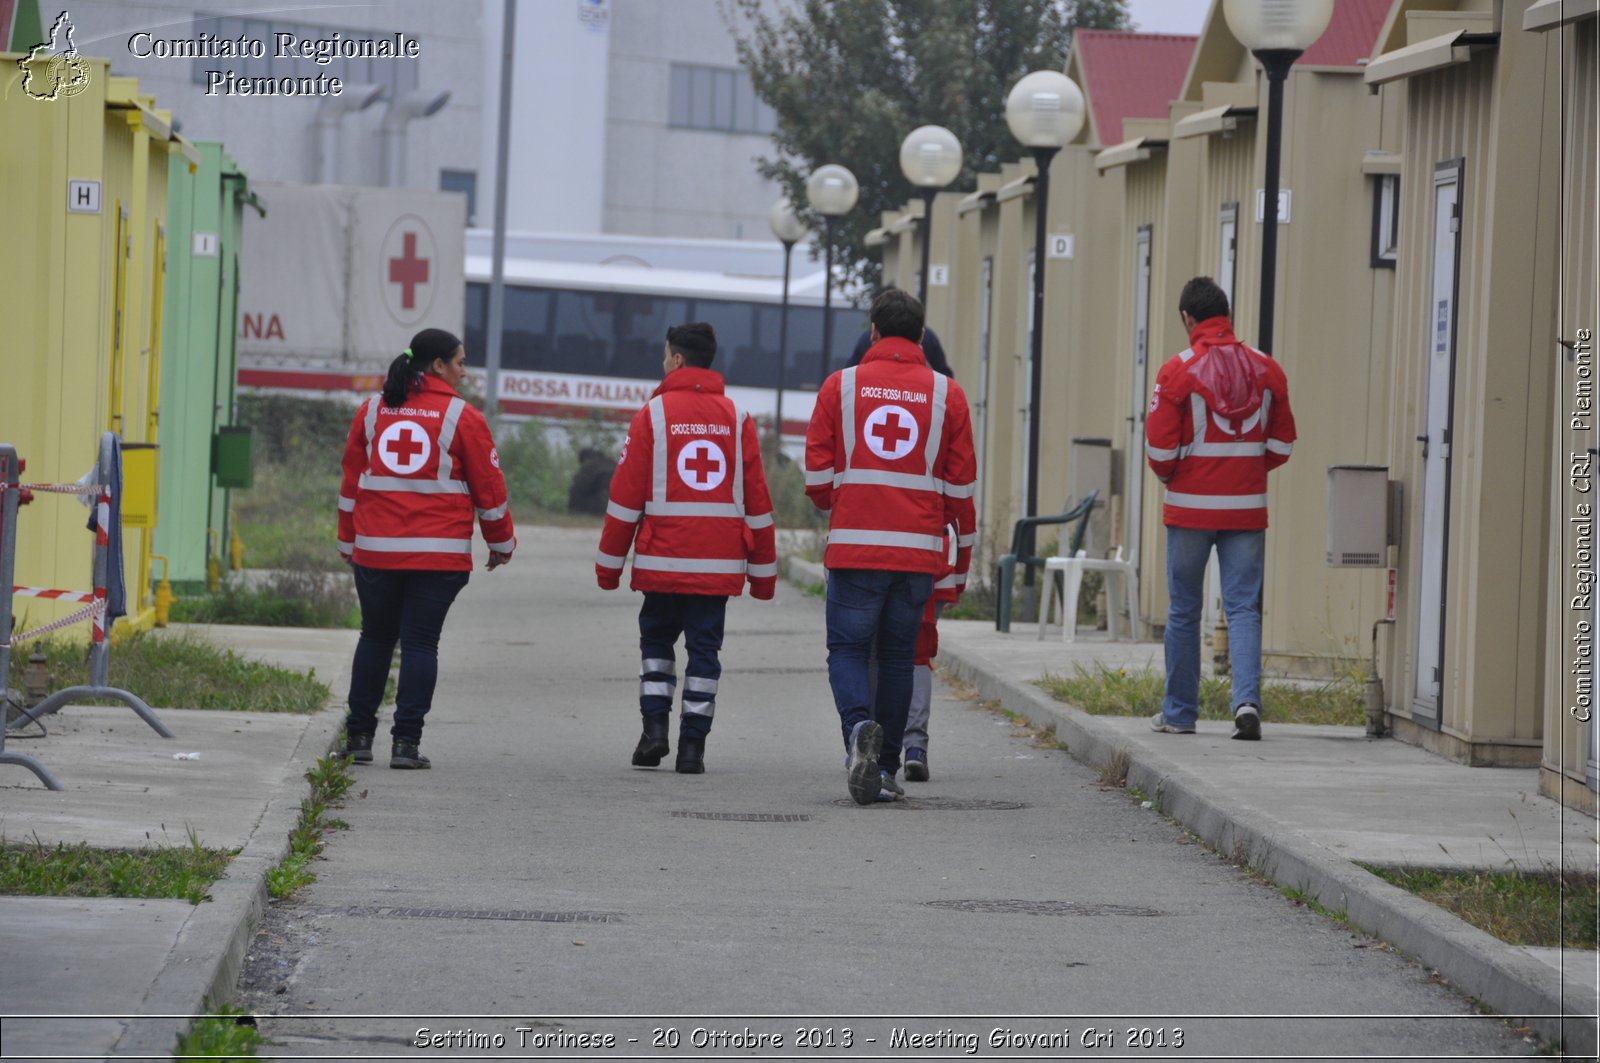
{"x": 1518, "y": 907}
{"x": 330, "y": 779}
{"x": 298, "y": 597}
{"x": 183, "y": 872}
{"x": 226, "y": 1033}
{"x": 1106, "y": 691}
{"x": 175, "y": 672}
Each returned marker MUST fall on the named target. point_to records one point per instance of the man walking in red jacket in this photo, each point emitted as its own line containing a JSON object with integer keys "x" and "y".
{"x": 889, "y": 456}
{"x": 1219, "y": 422}
{"x": 690, "y": 484}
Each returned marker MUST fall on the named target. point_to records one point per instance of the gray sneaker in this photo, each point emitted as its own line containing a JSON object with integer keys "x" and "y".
{"x": 888, "y": 788}
{"x": 861, "y": 774}
{"x": 1159, "y": 724}
{"x": 1247, "y": 722}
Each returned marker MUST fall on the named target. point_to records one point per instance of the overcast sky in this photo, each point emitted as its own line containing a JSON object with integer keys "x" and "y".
{"x": 1168, "y": 16}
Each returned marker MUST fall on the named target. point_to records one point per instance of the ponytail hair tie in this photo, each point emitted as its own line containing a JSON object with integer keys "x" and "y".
{"x": 407, "y": 353}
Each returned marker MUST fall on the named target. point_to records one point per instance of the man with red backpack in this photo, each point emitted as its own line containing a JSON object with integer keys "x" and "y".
{"x": 1219, "y": 421}
{"x": 889, "y": 455}
{"x": 690, "y": 486}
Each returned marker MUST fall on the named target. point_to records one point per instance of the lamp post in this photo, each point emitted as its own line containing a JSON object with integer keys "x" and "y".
{"x": 789, "y": 229}
{"x": 1044, "y": 111}
{"x": 930, "y": 157}
{"x": 1277, "y": 32}
{"x": 832, "y": 191}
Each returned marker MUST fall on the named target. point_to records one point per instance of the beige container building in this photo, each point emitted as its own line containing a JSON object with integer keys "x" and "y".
{"x": 1472, "y": 383}
{"x": 1568, "y": 768}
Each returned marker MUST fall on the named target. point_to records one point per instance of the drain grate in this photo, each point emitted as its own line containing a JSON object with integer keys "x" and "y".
{"x": 746, "y": 817}
{"x": 384, "y": 911}
{"x": 942, "y": 804}
{"x": 1043, "y": 908}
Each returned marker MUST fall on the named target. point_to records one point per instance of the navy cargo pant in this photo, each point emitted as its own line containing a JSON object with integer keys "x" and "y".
{"x": 698, "y": 618}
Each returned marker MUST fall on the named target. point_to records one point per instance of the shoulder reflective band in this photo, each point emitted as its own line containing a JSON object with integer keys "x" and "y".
{"x": 447, "y": 435}
{"x": 738, "y": 457}
{"x": 941, "y": 391}
{"x": 371, "y": 425}
{"x": 658, "y": 452}
{"x": 847, "y": 412}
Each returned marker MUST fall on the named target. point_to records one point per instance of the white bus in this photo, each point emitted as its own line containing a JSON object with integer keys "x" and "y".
{"x": 581, "y": 337}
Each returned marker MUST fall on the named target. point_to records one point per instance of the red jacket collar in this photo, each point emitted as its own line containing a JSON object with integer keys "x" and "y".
{"x": 894, "y": 349}
{"x": 432, "y": 383}
{"x": 690, "y": 378}
{"x": 1212, "y": 332}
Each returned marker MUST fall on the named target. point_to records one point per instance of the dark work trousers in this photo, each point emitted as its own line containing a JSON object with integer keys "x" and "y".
{"x": 698, "y": 618}
{"x": 407, "y": 606}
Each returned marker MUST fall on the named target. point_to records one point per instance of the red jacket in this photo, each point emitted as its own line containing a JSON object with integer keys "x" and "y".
{"x": 413, "y": 477}
{"x": 889, "y": 454}
{"x": 1219, "y": 421}
{"x": 690, "y": 483}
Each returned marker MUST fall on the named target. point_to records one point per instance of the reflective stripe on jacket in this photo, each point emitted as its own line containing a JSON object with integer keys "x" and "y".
{"x": 415, "y": 475}
{"x": 889, "y": 455}
{"x": 1215, "y": 465}
{"x": 690, "y": 486}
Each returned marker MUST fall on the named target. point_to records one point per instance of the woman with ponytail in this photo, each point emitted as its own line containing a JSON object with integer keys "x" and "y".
{"x": 419, "y": 465}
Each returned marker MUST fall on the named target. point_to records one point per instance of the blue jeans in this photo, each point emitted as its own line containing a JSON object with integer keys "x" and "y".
{"x": 699, "y": 619}
{"x": 407, "y": 606}
{"x": 1240, "y": 556}
{"x": 863, "y": 605}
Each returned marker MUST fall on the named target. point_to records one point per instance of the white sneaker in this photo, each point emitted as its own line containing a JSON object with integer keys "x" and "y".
{"x": 1159, "y": 724}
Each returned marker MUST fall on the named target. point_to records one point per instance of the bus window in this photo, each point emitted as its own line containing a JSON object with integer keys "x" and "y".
{"x": 525, "y": 341}
{"x": 581, "y": 334}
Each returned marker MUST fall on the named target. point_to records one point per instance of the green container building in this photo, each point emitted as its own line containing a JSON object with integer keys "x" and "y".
{"x": 202, "y": 455}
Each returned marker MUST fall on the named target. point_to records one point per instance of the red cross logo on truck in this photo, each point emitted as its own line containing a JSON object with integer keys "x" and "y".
{"x": 408, "y": 271}
{"x": 702, "y": 466}
{"x": 891, "y": 432}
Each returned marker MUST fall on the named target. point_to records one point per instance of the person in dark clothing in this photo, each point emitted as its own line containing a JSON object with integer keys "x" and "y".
{"x": 591, "y": 484}
{"x": 932, "y": 350}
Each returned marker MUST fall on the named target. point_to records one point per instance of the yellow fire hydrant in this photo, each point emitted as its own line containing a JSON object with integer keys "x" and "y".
{"x": 164, "y": 594}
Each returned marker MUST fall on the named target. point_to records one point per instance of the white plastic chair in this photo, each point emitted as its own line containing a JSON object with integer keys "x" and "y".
{"x": 1117, "y": 569}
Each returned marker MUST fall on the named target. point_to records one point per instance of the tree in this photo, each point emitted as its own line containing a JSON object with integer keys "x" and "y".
{"x": 848, "y": 79}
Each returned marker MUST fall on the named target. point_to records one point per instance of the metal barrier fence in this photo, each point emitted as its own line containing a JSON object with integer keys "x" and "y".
{"x": 12, "y": 492}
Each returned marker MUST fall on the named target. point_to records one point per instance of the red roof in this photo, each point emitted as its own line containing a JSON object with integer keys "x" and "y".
{"x": 1131, "y": 75}
{"x": 1351, "y": 34}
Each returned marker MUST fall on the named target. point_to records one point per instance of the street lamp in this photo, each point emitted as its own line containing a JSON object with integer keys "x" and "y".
{"x": 789, "y": 229}
{"x": 831, "y": 191}
{"x": 930, "y": 157}
{"x": 1044, "y": 111}
{"x": 1277, "y": 32}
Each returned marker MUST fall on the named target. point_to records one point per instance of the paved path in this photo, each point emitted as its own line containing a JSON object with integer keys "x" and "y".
{"x": 533, "y": 877}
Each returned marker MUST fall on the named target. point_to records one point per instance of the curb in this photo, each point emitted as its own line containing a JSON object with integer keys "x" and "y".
{"x": 1517, "y": 986}
{"x": 202, "y": 970}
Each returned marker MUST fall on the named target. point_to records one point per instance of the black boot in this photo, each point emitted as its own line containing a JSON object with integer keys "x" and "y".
{"x": 358, "y": 748}
{"x": 652, "y": 743}
{"x": 691, "y": 755}
{"x": 403, "y": 754}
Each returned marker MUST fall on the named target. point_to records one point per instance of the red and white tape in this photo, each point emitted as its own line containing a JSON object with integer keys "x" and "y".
{"x": 53, "y": 595}
{"x": 88, "y": 612}
{"x": 56, "y": 489}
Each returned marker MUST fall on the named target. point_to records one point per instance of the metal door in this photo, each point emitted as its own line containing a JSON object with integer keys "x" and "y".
{"x": 1139, "y": 398}
{"x": 985, "y": 294}
{"x": 1432, "y": 556}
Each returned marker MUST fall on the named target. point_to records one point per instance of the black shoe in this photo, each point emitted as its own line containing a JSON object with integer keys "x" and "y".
{"x": 1247, "y": 723}
{"x": 358, "y": 748}
{"x": 404, "y": 755}
{"x": 691, "y": 756}
{"x": 652, "y": 743}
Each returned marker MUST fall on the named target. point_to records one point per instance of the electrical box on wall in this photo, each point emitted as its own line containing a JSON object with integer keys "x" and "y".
{"x": 1358, "y": 516}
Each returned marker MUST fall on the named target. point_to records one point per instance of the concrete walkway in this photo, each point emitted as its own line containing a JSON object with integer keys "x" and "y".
{"x": 1308, "y": 803}
{"x": 1303, "y": 806}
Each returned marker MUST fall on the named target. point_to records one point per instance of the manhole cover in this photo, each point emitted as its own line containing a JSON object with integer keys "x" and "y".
{"x": 746, "y": 817}
{"x": 942, "y": 804}
{"x": 384, "y": 911}
{"x": 1042, "y": 908}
